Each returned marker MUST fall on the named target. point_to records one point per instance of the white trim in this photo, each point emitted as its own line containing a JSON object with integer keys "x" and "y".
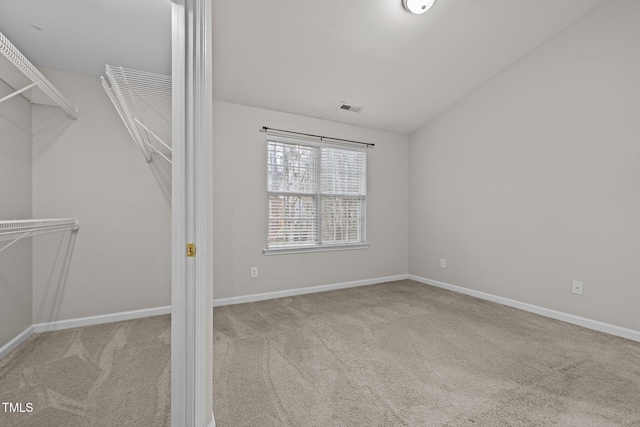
{"x": 179, "y": 331}
{"x": 302, "y": 291}
{"x": 19, "y": 339}
{"x": 315, "y": 248}
{"x": 191, "y": 289}
{"x": 81, "y": 322}
{"x": 98, "y": 320}
{"x": 546, "y": 312}
{"x": 319, "y": 196}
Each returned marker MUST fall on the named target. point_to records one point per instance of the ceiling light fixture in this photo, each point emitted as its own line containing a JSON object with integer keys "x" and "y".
{"x": 417, "y": 6}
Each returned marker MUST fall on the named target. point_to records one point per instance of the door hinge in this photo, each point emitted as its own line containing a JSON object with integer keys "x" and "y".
{"x": 191, "y": 249}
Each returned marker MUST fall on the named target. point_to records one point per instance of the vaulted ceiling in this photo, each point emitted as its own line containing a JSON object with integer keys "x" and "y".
{"x": 305, "y": 57}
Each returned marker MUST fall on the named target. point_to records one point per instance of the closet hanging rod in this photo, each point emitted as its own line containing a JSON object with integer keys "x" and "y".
{"x": 16, "y": 230}
{"x": 15, "y": 57}
{"x": 322, "y": 138}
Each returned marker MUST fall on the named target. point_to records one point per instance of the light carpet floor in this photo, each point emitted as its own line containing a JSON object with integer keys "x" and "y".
{"x": 405, "y": 354}
{"x": 110, "y": 375}
{"x": 395, "y": 354}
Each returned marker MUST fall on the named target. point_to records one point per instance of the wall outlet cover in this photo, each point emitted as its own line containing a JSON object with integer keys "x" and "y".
{"x": 577, "y": 287}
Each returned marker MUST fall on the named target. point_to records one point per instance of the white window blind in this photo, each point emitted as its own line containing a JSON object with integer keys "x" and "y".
{"x": 316, "y": 195}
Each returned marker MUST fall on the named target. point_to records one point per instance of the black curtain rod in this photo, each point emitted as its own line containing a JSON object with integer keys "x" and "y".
{"x": 319, "y": 136}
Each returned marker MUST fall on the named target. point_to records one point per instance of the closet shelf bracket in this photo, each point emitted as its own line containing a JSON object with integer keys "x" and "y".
{"x": 154, "y": 149}
{"x": 17, "y": 92}
{"x": 15, "y": 230}
{"x": 28, "y": 70}
{"x": 143, "y": 102}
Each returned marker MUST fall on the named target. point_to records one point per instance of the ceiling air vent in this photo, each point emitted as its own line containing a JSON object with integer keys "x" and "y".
{"x": 348, "y": 107}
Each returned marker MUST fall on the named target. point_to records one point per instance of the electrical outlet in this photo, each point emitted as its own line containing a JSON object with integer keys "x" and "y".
{"x": 443, "y": 263}
{"x": 254, "y": 272}
{"x": 577, "y": 287}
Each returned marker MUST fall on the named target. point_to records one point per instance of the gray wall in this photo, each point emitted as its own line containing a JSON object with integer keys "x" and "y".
{"x": 530, "y": 182}
{"x": 90, "y": 168}
{"x": 15, "y": 203}
{"x": 533, "y": 180}
{"x": 239, "y": 212}
{"x": 119, "y": 260}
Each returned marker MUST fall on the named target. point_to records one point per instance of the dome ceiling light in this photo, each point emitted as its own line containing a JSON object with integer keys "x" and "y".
{"x": 417, "y": 6}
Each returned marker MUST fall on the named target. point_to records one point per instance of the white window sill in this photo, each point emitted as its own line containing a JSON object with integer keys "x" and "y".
{"x": 305, "y": 249}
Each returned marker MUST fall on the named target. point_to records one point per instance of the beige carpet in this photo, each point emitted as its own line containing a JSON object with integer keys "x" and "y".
{"x": 110, "y": 375}
{"x": 397, "y": 354}
{"x": 405, "y": 354}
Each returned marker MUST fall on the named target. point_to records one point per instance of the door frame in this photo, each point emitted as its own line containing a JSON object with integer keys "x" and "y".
{"x": 191, "y": 275}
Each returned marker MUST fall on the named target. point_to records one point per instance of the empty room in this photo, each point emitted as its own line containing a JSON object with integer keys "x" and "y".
{"x": 335, "y": 213}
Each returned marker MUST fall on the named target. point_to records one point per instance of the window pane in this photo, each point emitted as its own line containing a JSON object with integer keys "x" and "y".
{"x": 342, "y": 220}
{"x": 292, "y": 221}
{"x": 315, "y": 187}
{"x": 343, "y": 171}
{"x": 291, "y": 168}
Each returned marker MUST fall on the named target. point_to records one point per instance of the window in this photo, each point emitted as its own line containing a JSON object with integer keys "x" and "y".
{"x": 316, "y": 196}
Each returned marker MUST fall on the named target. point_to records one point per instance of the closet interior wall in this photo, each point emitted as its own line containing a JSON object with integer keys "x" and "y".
{"x": 52, "y": 166}
{"x": 120, "y": 259}
{"x": 16, "y": 202}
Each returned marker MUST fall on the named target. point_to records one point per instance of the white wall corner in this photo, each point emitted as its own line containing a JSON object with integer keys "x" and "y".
{"x": 546, "y": 312}
{"x": 14, "y": 343}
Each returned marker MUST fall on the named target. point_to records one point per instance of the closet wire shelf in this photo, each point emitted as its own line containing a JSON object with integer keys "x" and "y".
{"x": 15, "y": 230}
{"x": 19, "y": 73}
{"x": 143, "y": 102}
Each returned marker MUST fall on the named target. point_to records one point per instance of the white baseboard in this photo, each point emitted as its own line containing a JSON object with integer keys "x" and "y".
{"x": 302, "y": 291}
{"x": 137, "y": 314}
{"x": 558, "y": 315}
{"x": 98, "y": 320}
{"x": 11, "y": 345}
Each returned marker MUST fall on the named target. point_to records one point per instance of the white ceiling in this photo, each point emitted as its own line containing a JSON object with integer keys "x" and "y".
{"x": 81, "y": 36}
{"x": 302, "y": 56}
{"x": 306, "y": 57}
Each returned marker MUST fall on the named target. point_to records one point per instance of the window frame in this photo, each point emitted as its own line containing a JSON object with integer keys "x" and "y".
{"x": 318, "y": 195}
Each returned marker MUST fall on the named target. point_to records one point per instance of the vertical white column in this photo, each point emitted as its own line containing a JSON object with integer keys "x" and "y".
{"x": 191, "y": 289}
